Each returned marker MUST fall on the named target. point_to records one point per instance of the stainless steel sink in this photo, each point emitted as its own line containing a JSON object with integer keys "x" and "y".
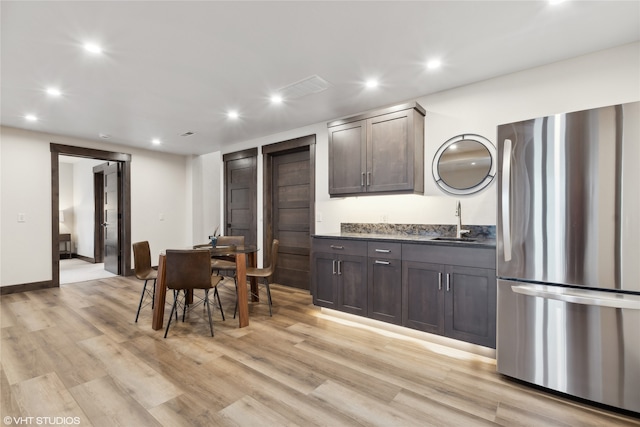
{"x": 454, "y": 239}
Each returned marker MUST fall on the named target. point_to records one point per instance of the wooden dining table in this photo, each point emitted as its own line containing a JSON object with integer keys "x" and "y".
{"x": 243, "y": 254}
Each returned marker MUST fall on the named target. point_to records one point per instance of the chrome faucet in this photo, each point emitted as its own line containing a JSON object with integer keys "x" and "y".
{"x": 459, "y": 230}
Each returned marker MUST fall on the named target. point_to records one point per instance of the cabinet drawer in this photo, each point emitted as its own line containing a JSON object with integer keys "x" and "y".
{"x": 340, "y": 246}
{"x": 439, "y": 254}
{"x": 384, "y": 250}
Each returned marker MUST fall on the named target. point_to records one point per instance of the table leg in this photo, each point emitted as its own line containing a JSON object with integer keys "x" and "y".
{"x": 243, "y": 303}
{"x": 161, "y": 293}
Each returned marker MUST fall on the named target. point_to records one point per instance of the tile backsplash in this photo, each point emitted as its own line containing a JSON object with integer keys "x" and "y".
{"x": 446, "y": 230}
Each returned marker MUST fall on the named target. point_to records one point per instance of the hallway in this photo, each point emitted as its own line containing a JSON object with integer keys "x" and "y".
{"x": 76, "y": 270}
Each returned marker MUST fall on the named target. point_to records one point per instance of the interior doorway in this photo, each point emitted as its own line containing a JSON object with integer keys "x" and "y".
{"x": 289, "y": 207}
{"x": 121, "y": 259}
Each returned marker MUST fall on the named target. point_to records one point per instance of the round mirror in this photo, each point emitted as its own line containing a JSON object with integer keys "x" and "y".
{"x": 465, "y": 164}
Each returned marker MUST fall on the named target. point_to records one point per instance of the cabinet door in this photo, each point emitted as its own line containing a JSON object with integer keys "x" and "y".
{"x": 352, "y": 284}
{"x": 347, "y": 158}
{"x": 390, "y": 152}
{"x": 470, "y": 305}
{"x": 385, "y": 290}
{"x": 324, "y": 276}
{"x": 423, "y": 296}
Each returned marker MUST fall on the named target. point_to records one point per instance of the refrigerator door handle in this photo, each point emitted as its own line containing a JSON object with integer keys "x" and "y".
{"x": 578, "y": 296}
{"x": 506, "y": 194}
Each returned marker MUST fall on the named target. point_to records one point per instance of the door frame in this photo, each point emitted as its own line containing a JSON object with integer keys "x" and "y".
{"x": 268, "y": 153}
{"x": 124, "y": 239}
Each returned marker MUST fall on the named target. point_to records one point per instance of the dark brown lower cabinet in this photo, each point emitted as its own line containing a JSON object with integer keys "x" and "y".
{"x": 454, "y": 301}
{"x": 385, "y": 282}
{"x": 470, "y": 305}
{"x": 339, "y": 272}
{"x": 423, "y": 296}
{"x": 444, "y": 290}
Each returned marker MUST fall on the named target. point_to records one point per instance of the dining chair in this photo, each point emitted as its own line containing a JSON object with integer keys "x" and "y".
{"x": 227, "y": 263}
{"x": 144, "y": 271}
{"x": 265, "y": 273}
{"x": 188, "y": 270}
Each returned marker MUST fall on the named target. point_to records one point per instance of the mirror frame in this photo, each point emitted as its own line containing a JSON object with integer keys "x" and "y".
{"x": 476, "y": 188}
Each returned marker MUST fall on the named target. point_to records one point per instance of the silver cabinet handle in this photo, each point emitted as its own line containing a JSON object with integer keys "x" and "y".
{"x": 337, "y": 247}
{"x": 448, "y": 282}
{"x": 333, "y": 264}
{"x": 368, "y": 178}
{"x": 382, "y": 262}
{"x": 439, "y": 281}
{"x": 384, "y": 251}
{"x": 339, "y": 268}
{"x": 362, "y": 180}
{"x": 506, "y": 194}
{"x": 579, "y": 296}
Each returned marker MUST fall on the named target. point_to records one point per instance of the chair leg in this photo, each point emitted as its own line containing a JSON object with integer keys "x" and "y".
{"x": 175, "y": 295}
{"x": 144, "y": 288}
{"x": 216, "y": 294}
{"x": 153, "y": 297}
{"x": 268, "y": 295}
{"x": 184, "y": 310}
{"x": 235, "y": 310}
{"x": 173, "y": 308}
{"x": 206, "y": 302}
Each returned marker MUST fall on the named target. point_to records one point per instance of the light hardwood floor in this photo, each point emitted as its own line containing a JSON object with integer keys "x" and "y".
{"x": 76, "y": 352}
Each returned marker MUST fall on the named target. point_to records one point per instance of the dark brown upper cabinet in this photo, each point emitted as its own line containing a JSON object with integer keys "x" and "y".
{"x": 381, "y": 152}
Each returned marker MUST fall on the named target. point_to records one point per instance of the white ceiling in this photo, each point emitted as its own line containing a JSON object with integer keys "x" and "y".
{"x": 172, "y": 67}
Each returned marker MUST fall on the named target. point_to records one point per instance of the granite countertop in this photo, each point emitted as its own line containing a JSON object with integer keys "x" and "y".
{"x": 480, "y": 241}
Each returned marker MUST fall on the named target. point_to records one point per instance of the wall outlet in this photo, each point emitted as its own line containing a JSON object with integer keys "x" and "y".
{"x": 161, "y": 217}
{"x": 22, "y": 217}
{"x": 384, "y": 218}
{"x": 319, "y": 217}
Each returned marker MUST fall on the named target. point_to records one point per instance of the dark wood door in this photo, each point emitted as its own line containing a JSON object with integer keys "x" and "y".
{"x": 470, "y": 305}
{"x": 240, "y": 177}
{"x": 352, "y": 284}
{"x": 423, "y": 295}
{"x": 347, "y": 158}
{"x": 98, "y": 200}
{"x": 291, "y": 217}
{"x": 389, "y": 153}
{"x": 112, "y": 215}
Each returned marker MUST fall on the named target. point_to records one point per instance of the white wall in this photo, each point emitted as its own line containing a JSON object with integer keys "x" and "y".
{"x": 84, "y": 206}
{"x": 206, "y": 184}
{"x": 65, "y": 201}
{"x": 159, "y": 186}
{"x": 603, "y": 78}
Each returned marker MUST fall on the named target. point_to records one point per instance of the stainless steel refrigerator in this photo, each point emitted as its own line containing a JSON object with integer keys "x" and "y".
{"x": 568, "y": 253}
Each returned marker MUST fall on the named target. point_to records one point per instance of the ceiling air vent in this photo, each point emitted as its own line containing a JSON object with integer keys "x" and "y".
{"x": 313, "y": 84}
{"x": 188, "y": 133}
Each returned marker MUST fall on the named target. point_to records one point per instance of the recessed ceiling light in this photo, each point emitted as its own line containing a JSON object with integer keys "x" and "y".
{"x": 232, "y": 114}
{"x": 276, "y": 99}
{"x": 434, "y": 64}
{"x": 155, "y": 141}
{"x": 31, "y": 118}
{"x": 371, "y": 83}
{"x": 93, "y": 48}
{"x": 53, "y": 91}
